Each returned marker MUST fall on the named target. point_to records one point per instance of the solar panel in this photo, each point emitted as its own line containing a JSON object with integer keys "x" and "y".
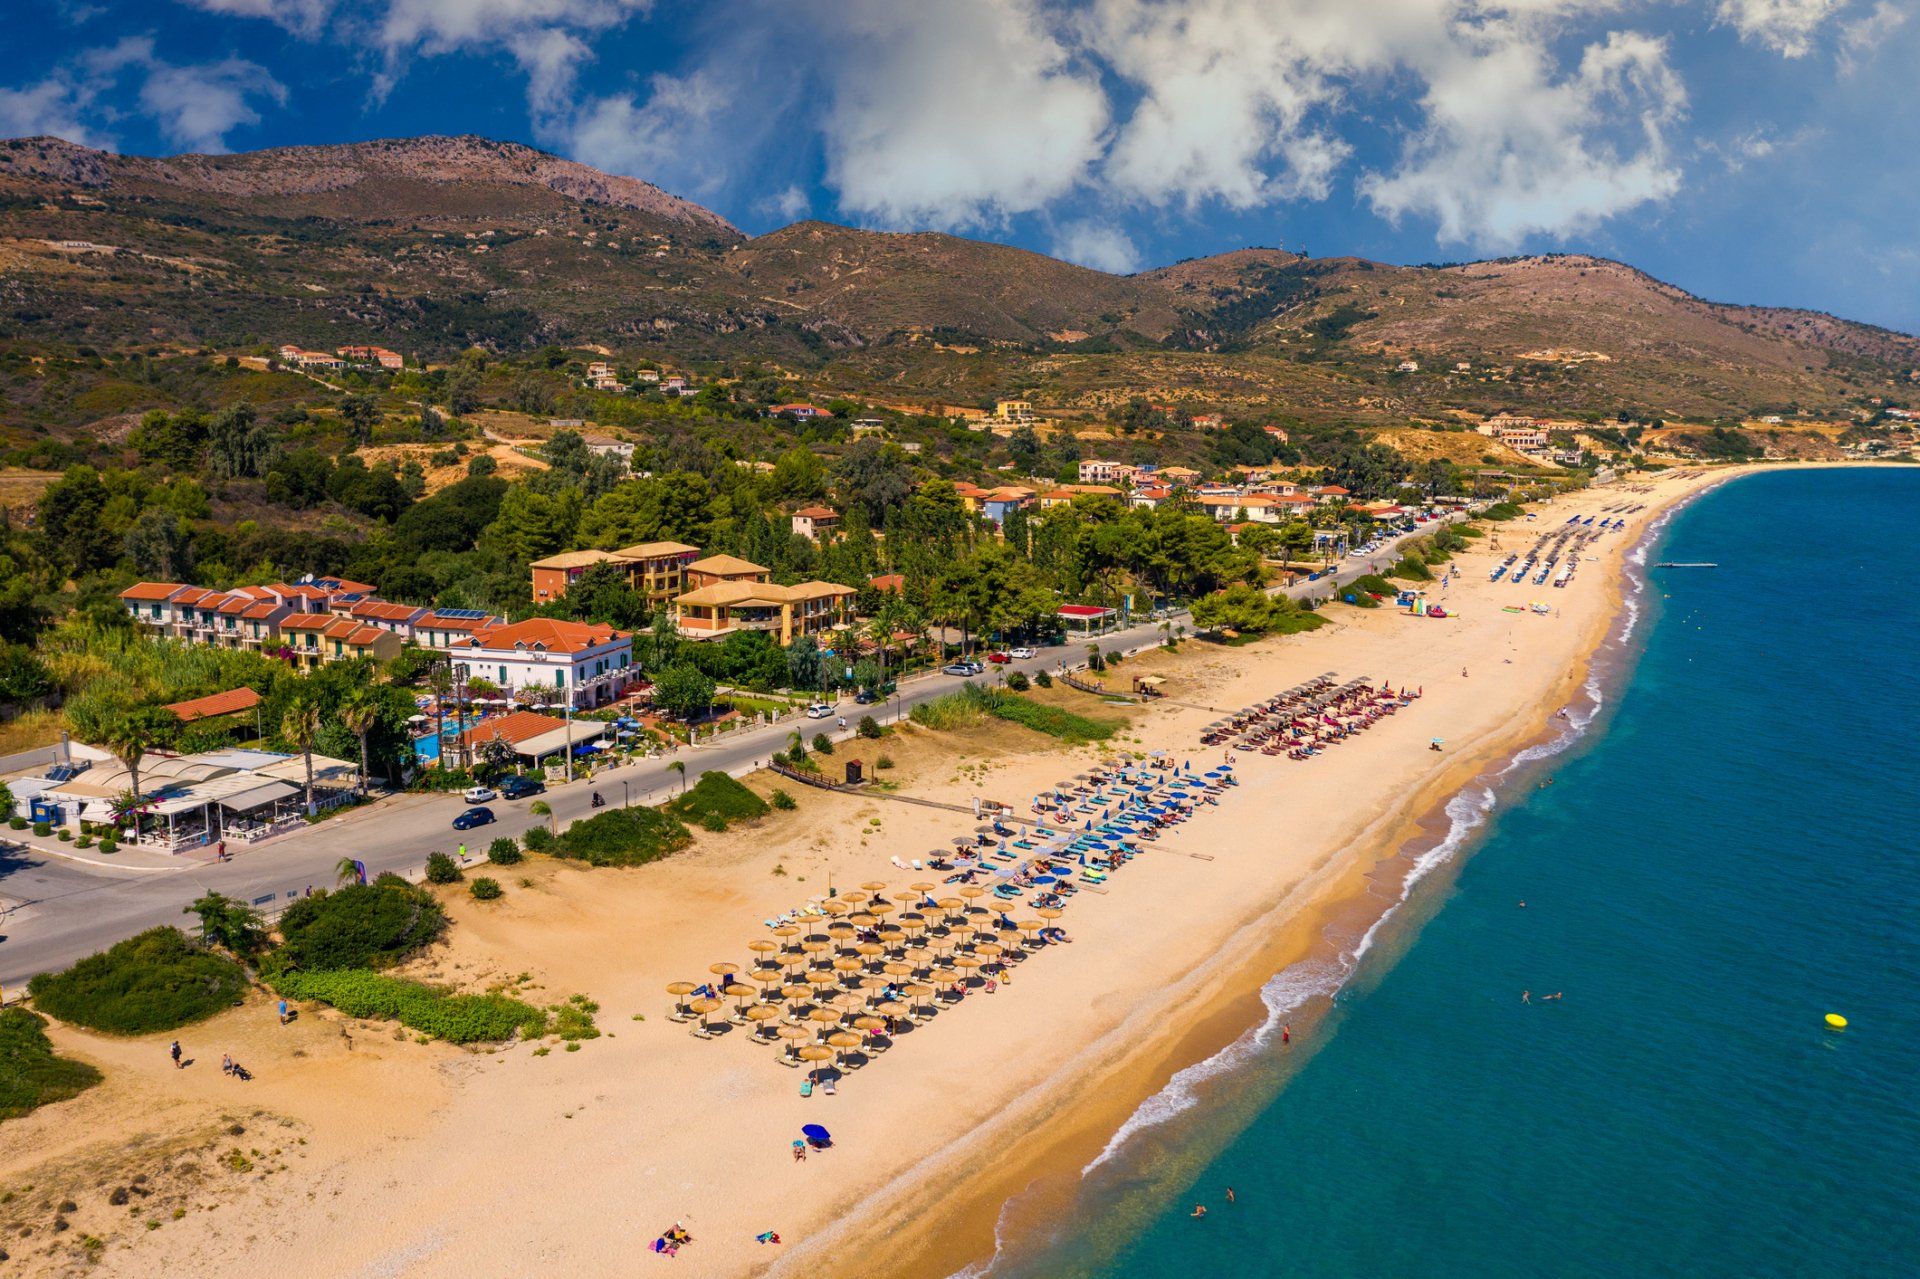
{"x": 463, "y": 614}
{"x": 65, "y": 772}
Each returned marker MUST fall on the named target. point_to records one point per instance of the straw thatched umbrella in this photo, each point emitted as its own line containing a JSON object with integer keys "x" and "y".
{"x": 843, "y": 1039}
{"x": 814, "y": 1053}
{"x": 897, "y": 969}
{"x": 846, "y": 964}
{"x": 762, "y": 1015}
{"x": 763, "y": 947}
{"x": 700, "y": 1008}
{"x": 823, "y": 977}
{"x": 881, "y": 909}
{"x": 836, "y": 906}
{"x": 922, "y": 886}
{"x": 875, "y": 886}
{"x": 917, "y": 992}
{"x": 680, "y": 990}
{"x": 735, "y": 990}
{"x": 988, "y": 949}
{"x": 972, "y": 891}
{"x": 863, "y": 919}
{"x": 1050, "y": 912}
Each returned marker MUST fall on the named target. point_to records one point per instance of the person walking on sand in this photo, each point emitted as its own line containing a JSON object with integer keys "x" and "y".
{"x": 174, "y": 1052}
{"x": 283, "y": 1012}
{"x": 1286, "y": 1034}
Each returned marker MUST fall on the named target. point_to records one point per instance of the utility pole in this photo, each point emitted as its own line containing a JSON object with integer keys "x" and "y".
{"x": 567, "y": 686}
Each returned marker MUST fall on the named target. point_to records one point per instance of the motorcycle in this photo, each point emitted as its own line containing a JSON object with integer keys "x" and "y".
{"x": 597, "y": 801}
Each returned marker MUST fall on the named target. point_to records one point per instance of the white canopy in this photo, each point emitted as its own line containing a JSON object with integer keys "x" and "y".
{"x": 560, "y": 738}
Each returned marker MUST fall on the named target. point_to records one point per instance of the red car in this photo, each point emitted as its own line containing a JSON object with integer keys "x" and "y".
{"x": 999, "y": 659}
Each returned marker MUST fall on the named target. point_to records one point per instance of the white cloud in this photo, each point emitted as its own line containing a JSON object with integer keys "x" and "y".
{"x": 791, "y": 204}
{"x": 1785, "y": 26}
{"x": 197, "y": 106}
{"x": 1509, "y": 150}
{"x": 1100, "y": 245}
{"x": 55, "y": 106}
{"x": 952, "y": 115}
{"x": 669, "y": 139}
{"x": 302, "y": 17}
{"x": 1861, "y": 39}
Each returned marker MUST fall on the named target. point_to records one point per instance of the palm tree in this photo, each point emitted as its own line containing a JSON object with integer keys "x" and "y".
{"x": 130, "y": 736}
{"x": 346, "y": 871}
{"x": 680, "y": 766}
{"x": 358, "y": 714}
{"x": 301, "y": 726}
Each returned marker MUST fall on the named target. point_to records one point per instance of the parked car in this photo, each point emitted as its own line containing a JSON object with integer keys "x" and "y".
{"x": 819, "y": 710}
{"x": 473, "y": 817}
{"x": 965, "y": 670}
{"x": 999, "y": 658}
{"x": 520, "y": 787}
{"x": 479, "y": 794}
{"x": 1022, "y": 654}
{"x": 865, "y": 697}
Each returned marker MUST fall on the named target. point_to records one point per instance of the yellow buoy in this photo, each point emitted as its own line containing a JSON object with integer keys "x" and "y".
{"x": 1836, "y": 1022}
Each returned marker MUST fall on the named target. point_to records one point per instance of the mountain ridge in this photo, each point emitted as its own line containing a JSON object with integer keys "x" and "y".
{"x": 437, "y": 243}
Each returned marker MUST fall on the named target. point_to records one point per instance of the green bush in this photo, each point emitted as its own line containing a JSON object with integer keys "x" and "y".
{"x": 537, "y": 839}
{"x": 63, "y": 835}
{"x": 359, "y": 926}
{"x": 504, "y": 852}
{"x": 573, "y": 1020}
{"x": 822, "y": 744}
{"x": 1412, "y": 568}
{"x": 484, "y": 889}
{"x": 458, "y": 1019}
{"x": 30, "y": 1075}
{"x": 1018, "y": 682}
{"x": 157, "y": 980}
{"x": 42, "y": 829}
{"x": 782, "y": 801}
{"x": 85, "y": 841}
{"x": 109, "y": 846}
{"x": 885, "y": 761}
{"x": 624, "y": 837}
{"x": 971, "y": 702}
{"x": 1375, "y": 584}
{"x": 1043, "y": 679}
{"x": 717, "y": 795}
{"x": 442, "y": 869}
{"x": 869, "y": 727}
{"x": 17, "y": 823}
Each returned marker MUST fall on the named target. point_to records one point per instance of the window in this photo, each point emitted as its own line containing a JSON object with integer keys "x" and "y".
{"x": 503, "y": 674}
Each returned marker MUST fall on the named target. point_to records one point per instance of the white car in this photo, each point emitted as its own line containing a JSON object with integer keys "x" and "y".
{"x": 479, "y": 794}
{"x": 819, "y": 710}
{"x": 1022, "y": 654}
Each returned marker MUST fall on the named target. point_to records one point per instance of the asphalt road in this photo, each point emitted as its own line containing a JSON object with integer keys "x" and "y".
{"x": 59, "y": 909}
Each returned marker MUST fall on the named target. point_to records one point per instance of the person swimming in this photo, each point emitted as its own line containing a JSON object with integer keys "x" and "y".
{"x": 1199, "y": 1211}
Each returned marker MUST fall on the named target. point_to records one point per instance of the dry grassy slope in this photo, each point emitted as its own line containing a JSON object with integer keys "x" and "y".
{"x": 874, "y": 283}
{"x": 1467, "y": 448}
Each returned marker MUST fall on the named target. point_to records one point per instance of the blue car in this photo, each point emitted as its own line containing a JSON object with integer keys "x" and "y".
{"x": 473, "y": 817}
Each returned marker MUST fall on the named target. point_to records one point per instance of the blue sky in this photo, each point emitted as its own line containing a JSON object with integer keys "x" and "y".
{"x": 1762, "y": 151}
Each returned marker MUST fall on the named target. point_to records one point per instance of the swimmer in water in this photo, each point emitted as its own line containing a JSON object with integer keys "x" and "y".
{"x": 1526, "y": 996}
{"x": 1199, "y": 1211}
{"x": 1230, "y": 1194}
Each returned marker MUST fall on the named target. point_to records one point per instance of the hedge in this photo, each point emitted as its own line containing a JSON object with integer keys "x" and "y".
{"x": 458, "y": 1019}
{"x": 157, "y": 980}
{"x": 30, "y": 1074}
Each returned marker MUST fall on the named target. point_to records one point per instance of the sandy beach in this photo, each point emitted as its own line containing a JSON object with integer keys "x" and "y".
{"x": 369, "y": 1154}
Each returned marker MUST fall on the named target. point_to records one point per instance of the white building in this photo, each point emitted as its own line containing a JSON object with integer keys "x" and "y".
{"x": 591, "y": 665}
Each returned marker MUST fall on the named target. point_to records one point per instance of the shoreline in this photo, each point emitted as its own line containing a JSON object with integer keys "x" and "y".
{"x": 1009, "y": 1096}
{"x": 1062, "y": 1138}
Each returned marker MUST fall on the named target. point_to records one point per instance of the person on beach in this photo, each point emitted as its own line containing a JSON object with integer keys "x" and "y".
{"x": 283, "y": 1012}
{"x": 174, "y": 1052}
{"x": 799, "y": 1152}
{"x": 226, "y": 1063}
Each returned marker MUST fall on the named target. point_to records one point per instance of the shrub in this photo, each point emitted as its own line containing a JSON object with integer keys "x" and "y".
{"x": 1018, "y": 682}
{"x": 717, "y": 795}
{"x": 504, "y": 852}
{"x": 442, "y": 869}
{"x": 42, "y": 829}
{"x": 484, "y": 889}
{"x": 85, "y": 841}
{"x": 971, "y": 702}
{"x": 537, "y": 839}
{"x": 458, "y": 1019}
{"x": 32, "y": 1075}
{"x": 1412, "y": 568}
{"x": 782, "y": 801}
{"x": 1043, "y": 679}
{"x": 822, "y": 744}
{"x": 1374, "y": 584}
{"x": 109, "y": 846}
{"x": 625, "y": 836}
{"x": 869, "y": 727}
{"x": 360, "y": 926}
{"x": 1115, "y": 658}
{"x": 885, "y": 761}
{"x": 156, "y": 980}
{"x": 17, "y": 823}
{"x": 573, "y": 1020}
{"x": 64, "y": 835}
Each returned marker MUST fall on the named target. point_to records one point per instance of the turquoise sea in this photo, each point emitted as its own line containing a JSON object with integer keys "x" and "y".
{"x": 1726, "y": 853}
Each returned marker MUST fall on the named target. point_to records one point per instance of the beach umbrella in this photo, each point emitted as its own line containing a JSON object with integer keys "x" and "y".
{"x": 723, "y": 970}
{"x": 814, "y": 1052}
{"x": 922, "y": 887}
{"x": 679, "y": 990}
{"x": 843, "y": 1039}
{"x": 762, "y": 947}
{"x": 870, "y": 948}
{"x": 734, "y": 990}
{"x": 971, "y": 891}
{"x": 967, "y": 961}
{"x": 853, "y": 898}
{"x": 863, "y": 919}
{"x": 891, "y": 934}
{"x": 1049, "y": 912}
{"x": 875, "y": 886}
{"x": 795, "y": 990}
{"x": 846, "y": 964}
{"x": 794, "y": 1032}
{"x": 823, "y": 978}
{"x": 882, "y": 908}
{"x": 840, "y": 928}
{"x": 869, "y": 1022}
{"x": 989, "y": 949}
{"x": 945, "y": 974}
{"x": 823, "y": 1015}
{"x": 816, "y": 1135}
{"x": 897, "y": 969}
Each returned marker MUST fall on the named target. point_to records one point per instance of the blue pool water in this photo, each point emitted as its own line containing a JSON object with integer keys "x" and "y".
{"x": 1728, "y": 855}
